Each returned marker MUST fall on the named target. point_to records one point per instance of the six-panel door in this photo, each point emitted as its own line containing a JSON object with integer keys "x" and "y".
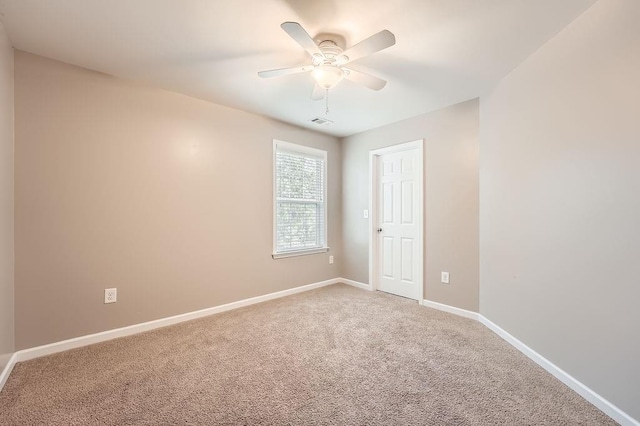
{"x": 398, "y": 215}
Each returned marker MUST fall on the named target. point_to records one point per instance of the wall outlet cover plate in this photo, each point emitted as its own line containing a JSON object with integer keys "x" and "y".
{"x": 110, "y": 295}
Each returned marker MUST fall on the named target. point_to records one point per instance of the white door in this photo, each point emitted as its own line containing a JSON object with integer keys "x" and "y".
{"x": 399, "y": 218}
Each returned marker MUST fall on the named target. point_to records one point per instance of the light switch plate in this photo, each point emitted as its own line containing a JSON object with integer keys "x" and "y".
{"x": 365, "y": 214}
{"x": 444, "y": 277}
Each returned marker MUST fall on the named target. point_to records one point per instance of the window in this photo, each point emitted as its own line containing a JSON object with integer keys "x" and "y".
{"x": 300, "y": 208}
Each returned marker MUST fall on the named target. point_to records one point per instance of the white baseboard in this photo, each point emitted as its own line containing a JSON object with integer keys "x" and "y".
{"x": 450, "y": 309}
{"x": 605, "y": 406}
{"x": 355, "y": 283}
{"x": 65, "y": 345}
{"x": 77, "y": 342}
{"x": 580, "y": 388}
{"x": 4, "y": 374}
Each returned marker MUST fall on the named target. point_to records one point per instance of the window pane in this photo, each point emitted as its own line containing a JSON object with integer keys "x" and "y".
{"x": 299, "y": 226}
{"x": 299, "y": 177}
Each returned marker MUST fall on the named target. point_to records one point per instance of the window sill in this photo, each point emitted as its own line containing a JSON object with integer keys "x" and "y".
{"x": 299, "y": 253}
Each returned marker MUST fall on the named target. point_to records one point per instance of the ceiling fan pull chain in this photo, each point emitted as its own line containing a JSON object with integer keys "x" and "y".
{"x": 326, "y": 99}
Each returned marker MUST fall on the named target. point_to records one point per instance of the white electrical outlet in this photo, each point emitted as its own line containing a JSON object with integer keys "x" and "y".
{"x": 330, "y": 260}
{"x": 444, "y": 278}
{"x": 110, "y": 295}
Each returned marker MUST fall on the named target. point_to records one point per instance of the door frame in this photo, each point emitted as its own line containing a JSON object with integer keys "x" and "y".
{"x": 373, "y": 213}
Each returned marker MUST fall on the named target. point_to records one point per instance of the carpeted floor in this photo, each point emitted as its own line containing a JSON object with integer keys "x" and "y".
{"x": 335, "y": 356}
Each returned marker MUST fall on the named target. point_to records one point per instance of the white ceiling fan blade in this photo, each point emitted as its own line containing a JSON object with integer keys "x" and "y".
{"x": 303, "y": 38}
{"x": 284, "y": 71}
{"x": 367, "y": 80}
{"x": 373, "y": 44}
{"x": 318, "y": 93}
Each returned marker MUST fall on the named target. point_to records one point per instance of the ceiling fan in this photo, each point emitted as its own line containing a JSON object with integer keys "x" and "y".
{"x": 329, "y": 59}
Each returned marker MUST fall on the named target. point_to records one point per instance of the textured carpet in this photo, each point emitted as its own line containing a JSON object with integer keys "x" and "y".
{"x": 335, "y": 356}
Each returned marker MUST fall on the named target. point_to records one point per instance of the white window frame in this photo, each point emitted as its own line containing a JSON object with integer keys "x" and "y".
{"x": 292, "y": 147}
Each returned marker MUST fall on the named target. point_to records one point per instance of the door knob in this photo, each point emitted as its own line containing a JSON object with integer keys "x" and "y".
{"x": 379, "y": 230}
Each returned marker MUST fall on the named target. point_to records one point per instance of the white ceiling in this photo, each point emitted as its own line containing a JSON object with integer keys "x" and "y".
{"x": 447, "y": 51}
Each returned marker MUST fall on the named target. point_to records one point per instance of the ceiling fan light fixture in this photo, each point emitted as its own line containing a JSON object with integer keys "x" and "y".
{"x": 328, "y": 76}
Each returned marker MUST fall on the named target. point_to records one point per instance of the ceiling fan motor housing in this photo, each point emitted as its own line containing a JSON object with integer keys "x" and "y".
{"x": 332, "y": 54}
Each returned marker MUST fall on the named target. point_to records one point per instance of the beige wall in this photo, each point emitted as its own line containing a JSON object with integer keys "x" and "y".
{"x": 165, "y": 197}
{"x": 560, "y": 202}
{"x": 451, "y": 199}
{"x": 6, "y": 199}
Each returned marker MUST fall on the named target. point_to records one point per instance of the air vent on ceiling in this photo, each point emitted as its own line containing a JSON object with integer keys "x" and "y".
{"x": 322, "y": 121}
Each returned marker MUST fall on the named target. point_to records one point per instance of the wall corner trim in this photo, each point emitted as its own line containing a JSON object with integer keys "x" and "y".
{"x": 4, "y": 374}
{"x": 355, "y": 284}
{"x": 580, "y": 388}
